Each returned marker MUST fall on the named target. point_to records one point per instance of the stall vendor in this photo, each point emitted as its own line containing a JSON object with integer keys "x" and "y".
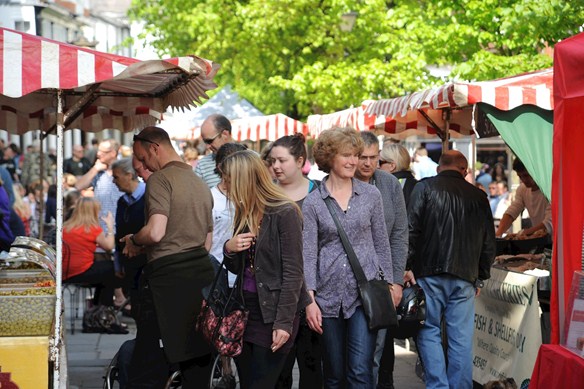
{"x": 530, "y": 197}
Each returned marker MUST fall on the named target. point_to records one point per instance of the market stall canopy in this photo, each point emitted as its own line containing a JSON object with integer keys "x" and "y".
{"x": 568, "y": 186}
{"x": 518, "y": 108}
{"x": 227, "y": 102}
{"x": 270, "y": 127}
{"x": 100, "y": 90}
{"x": 359, "y": 119}
{"x": 453, "y": 103}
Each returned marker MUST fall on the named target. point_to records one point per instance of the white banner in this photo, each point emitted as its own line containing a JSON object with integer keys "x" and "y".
{"x": 507, "y": 332}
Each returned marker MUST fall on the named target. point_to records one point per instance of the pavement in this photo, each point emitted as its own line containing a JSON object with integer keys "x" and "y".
{"x": 89, "y": 355}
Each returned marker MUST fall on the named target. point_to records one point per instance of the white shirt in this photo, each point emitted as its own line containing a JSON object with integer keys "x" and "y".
{"x": 223, "y": 213}
{"x": 539, "y": 208}
{"x": 425, "y": 167}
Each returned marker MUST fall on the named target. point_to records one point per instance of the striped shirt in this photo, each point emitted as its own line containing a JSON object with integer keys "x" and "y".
{"x": 206, "y": 170}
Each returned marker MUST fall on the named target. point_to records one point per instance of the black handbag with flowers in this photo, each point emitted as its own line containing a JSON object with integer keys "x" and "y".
{"x": 223, "y": 317}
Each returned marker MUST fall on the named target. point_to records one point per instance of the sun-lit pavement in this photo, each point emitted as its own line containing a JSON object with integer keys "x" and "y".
{"x": 89, "y": 355}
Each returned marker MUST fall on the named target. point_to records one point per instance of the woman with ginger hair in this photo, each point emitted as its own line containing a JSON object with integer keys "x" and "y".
{"x": 337, "y": 313}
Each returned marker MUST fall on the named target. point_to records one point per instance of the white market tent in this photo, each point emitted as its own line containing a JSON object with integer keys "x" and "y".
{"x": 227, "y": 102}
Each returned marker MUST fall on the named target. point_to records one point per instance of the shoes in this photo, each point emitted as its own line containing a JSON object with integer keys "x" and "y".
{"x": 226, "y": 382}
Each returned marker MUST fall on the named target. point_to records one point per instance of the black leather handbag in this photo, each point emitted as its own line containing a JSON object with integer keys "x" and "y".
{"x": 375, "y": 295}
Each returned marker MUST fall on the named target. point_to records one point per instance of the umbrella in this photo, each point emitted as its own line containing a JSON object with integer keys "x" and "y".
{"x": 50, "y": 86}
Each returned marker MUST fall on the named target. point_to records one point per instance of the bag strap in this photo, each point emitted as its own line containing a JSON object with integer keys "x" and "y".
{"x": 237, "y": 287}
{"x": 355, "y": 265}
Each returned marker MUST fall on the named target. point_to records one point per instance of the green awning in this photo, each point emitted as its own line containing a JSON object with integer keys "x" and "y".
{"x": 528, "y": 131}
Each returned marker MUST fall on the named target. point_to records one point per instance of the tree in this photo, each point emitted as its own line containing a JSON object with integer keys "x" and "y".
{"x": 291, "y": 56}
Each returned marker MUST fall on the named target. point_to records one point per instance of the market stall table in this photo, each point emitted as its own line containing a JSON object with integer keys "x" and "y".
{"x": 557, "y": 367}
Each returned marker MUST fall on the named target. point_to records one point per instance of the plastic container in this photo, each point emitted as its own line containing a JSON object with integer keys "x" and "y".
{"x": 19, "y": 257}
{"x": 37, "y": 245}
{"x": 24, "y": 276}
{"x": 26, "y": 311}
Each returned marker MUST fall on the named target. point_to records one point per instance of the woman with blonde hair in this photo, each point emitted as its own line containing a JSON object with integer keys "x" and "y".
{"x": 395, "y": 159}
{"x": 81, "y": 234}
{"x": 267, "y": 247}
{"x": 337, "y": 313}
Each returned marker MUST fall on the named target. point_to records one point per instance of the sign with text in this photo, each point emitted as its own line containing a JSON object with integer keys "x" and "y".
{"x": 507, "y": 331}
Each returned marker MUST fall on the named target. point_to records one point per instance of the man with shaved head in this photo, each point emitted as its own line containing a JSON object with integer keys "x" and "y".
{"x": 451, "y": 249}
{"x": 77, "y": 165}
{"x": 215, "y": 132}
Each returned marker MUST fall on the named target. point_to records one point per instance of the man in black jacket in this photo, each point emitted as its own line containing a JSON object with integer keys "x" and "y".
{"x": 451, "y": 249}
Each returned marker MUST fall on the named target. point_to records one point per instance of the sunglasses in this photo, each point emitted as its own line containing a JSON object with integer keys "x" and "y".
{"x": 382, "y": 162}
{"x": 138, "y": 137}
{"x": 211, "y": 140}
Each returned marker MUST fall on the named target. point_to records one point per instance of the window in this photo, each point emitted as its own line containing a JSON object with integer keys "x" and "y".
{"x": 21, "y": 25}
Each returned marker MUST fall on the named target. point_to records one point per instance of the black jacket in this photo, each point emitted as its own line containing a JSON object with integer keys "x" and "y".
{"x": 451, "y": 228}
{"x": 279, "y": 267}
{"x": 407, "y": 181}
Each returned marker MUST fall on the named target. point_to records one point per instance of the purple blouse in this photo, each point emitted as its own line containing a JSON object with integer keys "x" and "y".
{"x": 326, "y": 267}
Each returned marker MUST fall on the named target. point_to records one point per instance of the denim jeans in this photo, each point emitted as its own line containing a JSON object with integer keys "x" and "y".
{"x": 452, "y": 298}
{"x": 379, "y": 345}
{"x": 348, "y": 347}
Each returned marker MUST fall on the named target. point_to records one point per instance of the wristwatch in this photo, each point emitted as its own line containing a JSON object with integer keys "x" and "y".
{"x": 479, "y": 283}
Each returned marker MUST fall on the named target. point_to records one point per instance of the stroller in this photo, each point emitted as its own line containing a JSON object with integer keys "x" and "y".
{"x": 116, "y": 374}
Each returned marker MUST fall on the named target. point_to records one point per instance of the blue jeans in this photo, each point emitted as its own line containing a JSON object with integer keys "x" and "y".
{"x": 452, "y": 298}
{"x": 348, "y": 347}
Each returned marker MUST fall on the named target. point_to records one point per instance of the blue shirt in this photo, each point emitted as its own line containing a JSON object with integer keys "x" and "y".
{"x": 136, "y": 195}
{"x": 326, "y": 267}
{"x": 107, "y": 193}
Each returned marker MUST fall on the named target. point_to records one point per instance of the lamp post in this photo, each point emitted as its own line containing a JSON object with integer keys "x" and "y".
{"x": 348, "y": 21}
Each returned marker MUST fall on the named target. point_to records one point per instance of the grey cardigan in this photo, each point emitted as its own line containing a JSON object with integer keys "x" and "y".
{"x": 396, "y": 220}
{"x": 279, "y": 266}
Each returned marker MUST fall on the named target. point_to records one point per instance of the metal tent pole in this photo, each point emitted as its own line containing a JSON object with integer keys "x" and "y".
{"x": 56, "y": 343}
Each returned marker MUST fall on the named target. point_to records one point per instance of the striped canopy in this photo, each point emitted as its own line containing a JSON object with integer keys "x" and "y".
{"x": 100, "y": 90}
{"x": 453, "y": 102}
{"x": 270, "y": 127}
{"x": 356, "y": 118}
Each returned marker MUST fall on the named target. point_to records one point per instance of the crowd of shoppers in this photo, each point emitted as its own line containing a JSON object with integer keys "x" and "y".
{"x": 159, "y": 226}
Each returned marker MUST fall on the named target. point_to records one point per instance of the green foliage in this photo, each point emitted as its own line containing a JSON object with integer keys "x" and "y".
{"x": 291, "y": 56}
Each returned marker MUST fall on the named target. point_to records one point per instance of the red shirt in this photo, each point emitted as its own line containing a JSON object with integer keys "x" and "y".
{"x": 78, "y": 248}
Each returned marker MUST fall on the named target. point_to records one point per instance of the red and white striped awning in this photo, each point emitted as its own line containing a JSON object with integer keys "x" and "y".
{"x": 413, "y": 124}
{"x": 100, "y": 90}
{"x": 270, "y": 127}
{"x": 356, "y": 118}
{"x": 505, "y": 94}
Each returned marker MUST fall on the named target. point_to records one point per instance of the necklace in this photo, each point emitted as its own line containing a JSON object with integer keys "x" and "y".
{"x": 221, "y": 190}
{"x": 252, "y": 250}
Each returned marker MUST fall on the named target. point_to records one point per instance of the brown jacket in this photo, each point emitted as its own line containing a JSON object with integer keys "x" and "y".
{"x": 279, "y": 270}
